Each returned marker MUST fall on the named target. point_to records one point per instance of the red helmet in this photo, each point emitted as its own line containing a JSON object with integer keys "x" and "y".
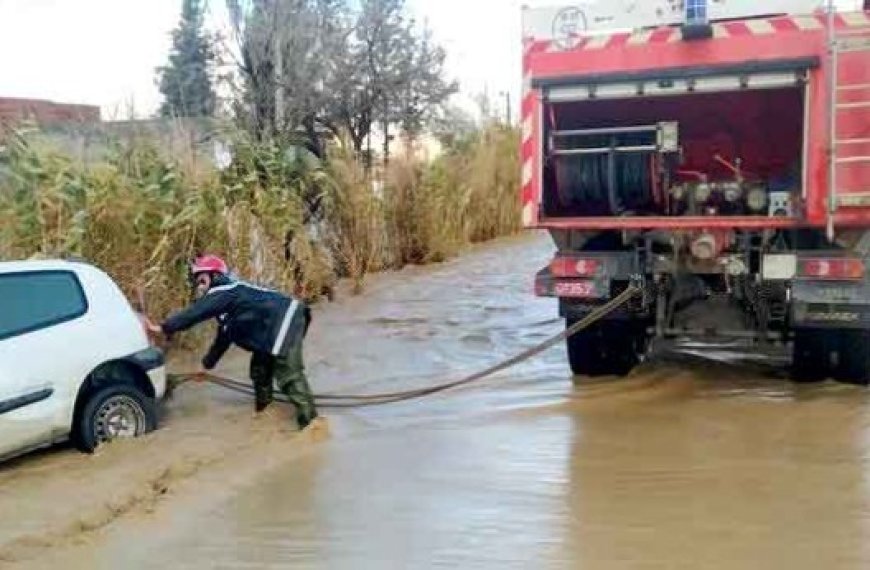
{"x": 209, "y": 264}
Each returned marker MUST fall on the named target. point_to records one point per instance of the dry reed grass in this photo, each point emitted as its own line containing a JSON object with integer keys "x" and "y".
{"x": 141, "y": 215}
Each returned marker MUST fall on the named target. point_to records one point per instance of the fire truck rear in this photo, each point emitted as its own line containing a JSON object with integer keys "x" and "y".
{"x": 717, "y": 153}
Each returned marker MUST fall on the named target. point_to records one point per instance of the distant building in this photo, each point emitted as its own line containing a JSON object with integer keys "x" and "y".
{"x": 15, "y": 110}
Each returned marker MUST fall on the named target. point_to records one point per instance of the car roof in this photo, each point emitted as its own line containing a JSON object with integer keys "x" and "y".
{"x": 42, "y": 265}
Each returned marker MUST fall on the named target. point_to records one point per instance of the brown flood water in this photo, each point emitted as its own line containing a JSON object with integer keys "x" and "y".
{"x": 686, "y": 464}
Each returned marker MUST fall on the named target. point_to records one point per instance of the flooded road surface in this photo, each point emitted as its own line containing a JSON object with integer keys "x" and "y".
{"x": 686, "y": 464}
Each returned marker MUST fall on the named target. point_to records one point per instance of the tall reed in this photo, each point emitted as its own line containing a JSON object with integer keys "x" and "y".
{"x": 279, "y": 215}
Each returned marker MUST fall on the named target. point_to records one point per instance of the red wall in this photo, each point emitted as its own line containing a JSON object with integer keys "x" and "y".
{"x": 14, "y": 110}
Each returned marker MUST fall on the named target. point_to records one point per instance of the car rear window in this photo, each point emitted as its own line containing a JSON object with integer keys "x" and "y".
{"x": 31, "y": 301}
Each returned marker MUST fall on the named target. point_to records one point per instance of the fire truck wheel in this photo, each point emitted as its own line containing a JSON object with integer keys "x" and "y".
{"x": 583, "y": 354}
{"x": 853, "y": 364}
{"x": 606, "y": 349}
{"x": 811, "y": 355}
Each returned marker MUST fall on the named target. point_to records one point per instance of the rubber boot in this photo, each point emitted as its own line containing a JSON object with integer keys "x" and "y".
{"x": 262, "y": 370}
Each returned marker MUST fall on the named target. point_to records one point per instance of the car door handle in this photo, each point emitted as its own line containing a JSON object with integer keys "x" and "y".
{"x": 19, "y": 402}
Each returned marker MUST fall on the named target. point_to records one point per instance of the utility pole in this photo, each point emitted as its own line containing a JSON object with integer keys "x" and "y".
{"x": 279, "y": 70}
{"x": 386, "y": 143}
{"x": 508, "y": 112}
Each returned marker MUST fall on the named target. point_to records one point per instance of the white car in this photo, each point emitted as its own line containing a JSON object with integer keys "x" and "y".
{"x": 75, "y": 361}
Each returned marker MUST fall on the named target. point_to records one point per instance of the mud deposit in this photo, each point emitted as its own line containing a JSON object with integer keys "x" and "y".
{"x": 689, "y": 463}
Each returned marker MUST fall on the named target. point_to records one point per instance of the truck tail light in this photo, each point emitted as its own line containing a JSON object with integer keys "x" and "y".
{"x": 832, "y": 269}
{"x": 574, "y": 267}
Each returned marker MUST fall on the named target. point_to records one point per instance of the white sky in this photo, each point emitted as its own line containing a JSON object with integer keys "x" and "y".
{"x": 104, "y": 52}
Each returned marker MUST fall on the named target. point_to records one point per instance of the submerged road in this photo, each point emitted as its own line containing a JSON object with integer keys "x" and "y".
{"x": 686, "y": 464}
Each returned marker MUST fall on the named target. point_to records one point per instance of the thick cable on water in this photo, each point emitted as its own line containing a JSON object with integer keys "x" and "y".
{"x": 362, "y": 400}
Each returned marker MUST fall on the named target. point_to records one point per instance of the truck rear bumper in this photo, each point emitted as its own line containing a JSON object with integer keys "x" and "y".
{"x": 830, "y": 315}
{"x": 577, "y": 309}
{"x": 579, "y": 296}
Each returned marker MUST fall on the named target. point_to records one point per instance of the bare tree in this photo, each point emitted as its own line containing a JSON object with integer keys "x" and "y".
{"x": 287, "y": 52}
{"x": 309, "y": 65}
{"x": 425, "y": 90}
{"x": 255, "y": 32}
{"x": 393, "y": 75}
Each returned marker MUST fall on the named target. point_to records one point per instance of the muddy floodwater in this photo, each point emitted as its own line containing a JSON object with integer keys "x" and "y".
{"x": 689, "y": 463}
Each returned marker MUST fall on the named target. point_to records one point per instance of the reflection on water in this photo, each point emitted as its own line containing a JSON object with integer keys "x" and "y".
{"x": 687, "y": 464}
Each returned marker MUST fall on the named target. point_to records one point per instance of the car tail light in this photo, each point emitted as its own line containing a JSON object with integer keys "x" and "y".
{"x": 833, "y": 269}
{"x": 574, "y": 267}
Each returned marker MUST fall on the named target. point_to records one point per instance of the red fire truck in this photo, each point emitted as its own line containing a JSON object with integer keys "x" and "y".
{"x": 716, "y": 153}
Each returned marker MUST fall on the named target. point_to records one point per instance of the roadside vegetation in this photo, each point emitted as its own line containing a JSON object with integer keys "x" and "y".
{"x": 279, "y": 215}
{"x": 305, "y": 196}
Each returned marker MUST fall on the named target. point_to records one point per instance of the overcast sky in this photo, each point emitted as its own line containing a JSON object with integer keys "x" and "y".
{"x": 104, "y": 52}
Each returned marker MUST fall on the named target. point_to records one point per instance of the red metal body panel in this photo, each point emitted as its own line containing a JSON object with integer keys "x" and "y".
{"x": 531, "y": 143}
{"x": 672, "y": 223}
{"x": 854, "y": 123}
{"x": 763, "y": 39}
{"x": 618, "y": 56}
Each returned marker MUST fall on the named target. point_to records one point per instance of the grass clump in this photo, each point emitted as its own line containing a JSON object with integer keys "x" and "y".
{"x": 278, "y": 214}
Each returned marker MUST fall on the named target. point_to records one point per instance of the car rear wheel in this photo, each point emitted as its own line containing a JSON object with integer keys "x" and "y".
{"x": 115, "y": 412}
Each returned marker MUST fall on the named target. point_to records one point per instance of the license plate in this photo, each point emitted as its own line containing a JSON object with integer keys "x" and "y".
{"x": 576, "y": 289}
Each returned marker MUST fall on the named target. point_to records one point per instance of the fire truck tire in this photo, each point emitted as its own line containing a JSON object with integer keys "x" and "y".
{"x": 606, "y": 349}
{"x": 811, "y": 355}
{"x": 853, "y": 364}
{"x": 583, "y": 355}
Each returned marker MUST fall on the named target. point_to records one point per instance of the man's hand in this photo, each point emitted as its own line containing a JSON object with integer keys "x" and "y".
{"x": 149, "y": 325}
{"x": 154, "y": 329}
{"x": 202, "y": 374}
{"x": 155, "y": 333}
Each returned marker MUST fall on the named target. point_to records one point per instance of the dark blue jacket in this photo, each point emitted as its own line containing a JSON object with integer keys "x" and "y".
{"x": 253, "y": 318}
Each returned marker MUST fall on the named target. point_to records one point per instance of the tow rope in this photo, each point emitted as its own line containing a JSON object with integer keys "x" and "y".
{"x": 336, "y": 401}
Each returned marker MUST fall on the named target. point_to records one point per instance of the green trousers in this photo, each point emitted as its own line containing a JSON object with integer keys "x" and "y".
{"x": 289, "y": 374}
